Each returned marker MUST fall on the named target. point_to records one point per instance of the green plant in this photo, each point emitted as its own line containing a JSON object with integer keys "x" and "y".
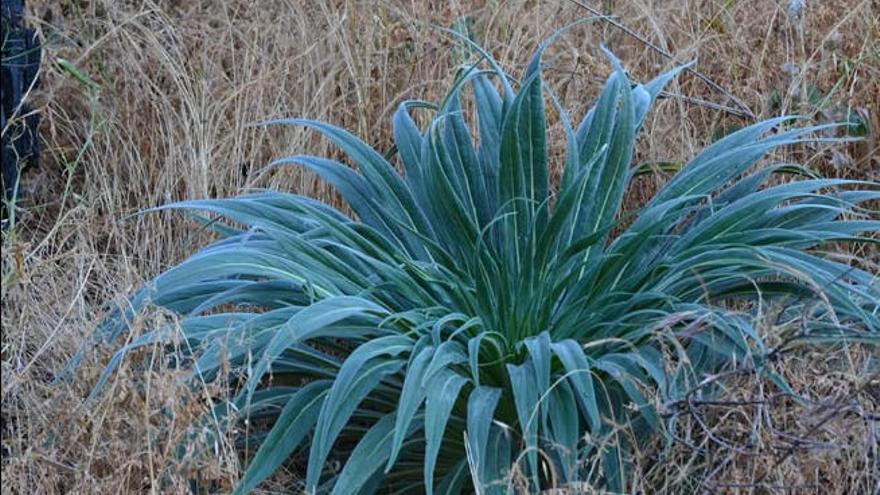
{"x": 469, "y": 319}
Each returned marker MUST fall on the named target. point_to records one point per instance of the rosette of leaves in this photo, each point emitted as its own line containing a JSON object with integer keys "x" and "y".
{"x": 468, "y": 326}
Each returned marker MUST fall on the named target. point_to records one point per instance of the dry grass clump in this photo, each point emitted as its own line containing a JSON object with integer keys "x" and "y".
{"x": 753, "y": 437}
{"x": 124, "y": 442}
{"x": 749, "y": 436}
{"x": 173, "y": 87}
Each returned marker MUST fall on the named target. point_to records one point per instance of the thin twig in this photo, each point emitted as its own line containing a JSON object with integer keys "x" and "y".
{"x": 772, "y": 486}
{"x": 839, "y": 406}
{"x": 745, "y": 111}
{"x": 667, "y": 94}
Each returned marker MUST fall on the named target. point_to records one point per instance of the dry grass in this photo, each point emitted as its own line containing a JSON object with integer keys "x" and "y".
{"x": 752, "y": 437}
{"x": 176, "y": 84}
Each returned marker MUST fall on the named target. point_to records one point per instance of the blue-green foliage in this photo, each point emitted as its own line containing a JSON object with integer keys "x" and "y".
{"x": 466, "y": 318}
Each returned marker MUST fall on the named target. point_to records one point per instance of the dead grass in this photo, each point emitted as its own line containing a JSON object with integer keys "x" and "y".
{"x": 176, "y": 84}
{"x": 753, "y": 437}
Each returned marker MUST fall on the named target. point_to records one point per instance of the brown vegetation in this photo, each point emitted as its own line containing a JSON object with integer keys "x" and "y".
{"x": 174, "y": 85}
